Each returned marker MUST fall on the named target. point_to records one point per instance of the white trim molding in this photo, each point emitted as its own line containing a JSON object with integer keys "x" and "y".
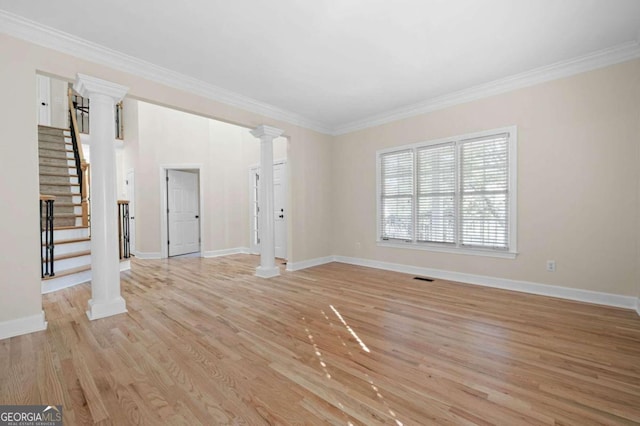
{"x": 31, "y": 31}
{"x": 304, "y": 264}
{"x": 599, "y": 59}
{"x": 125, "y": 265}
{"x": 225, "y": 252}
{"x": 638, "y": 305}
{"x": 599, "y": 298}
{"x": 108, "y": 308}
{"x": 147, "y": 255}
{"x": 21, "y": 326}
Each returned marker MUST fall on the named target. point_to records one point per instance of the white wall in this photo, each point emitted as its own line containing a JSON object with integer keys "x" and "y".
{"x": 578, "y": 175}
{"x": 165, "y": 137}
{"x": 309, "y": 157}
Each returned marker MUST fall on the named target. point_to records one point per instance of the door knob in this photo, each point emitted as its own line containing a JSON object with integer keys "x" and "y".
{"x": 197, "y": 217}
{"x": 281, "y": 216}
{"x": 44, "y": 104}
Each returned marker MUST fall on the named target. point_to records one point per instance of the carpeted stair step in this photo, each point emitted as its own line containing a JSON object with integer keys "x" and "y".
{"x": 50, "y": 130}
{"x": 57, "y": 178}
{"x": 54, "y": 153}
{"x": 50, "y": 155}
{"x": 53, "y": 168}
{"x": 65, "y": 219}
{"x": 59, "y": 188}
{"x": 54, "y": 146}
{"x": 54, "y": 149}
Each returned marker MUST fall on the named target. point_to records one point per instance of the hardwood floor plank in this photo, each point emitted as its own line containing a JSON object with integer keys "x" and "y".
{"x": 206, "y": 342}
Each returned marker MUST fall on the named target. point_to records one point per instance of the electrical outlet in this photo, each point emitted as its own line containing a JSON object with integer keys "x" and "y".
{"x": 551, "y": 265}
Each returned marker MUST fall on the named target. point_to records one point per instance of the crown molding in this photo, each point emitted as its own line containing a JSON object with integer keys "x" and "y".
{"x": 600, "y": 59}
{"x": 86, "y": 85}
{"x": 268, "y": 131}
{"x": 25, "y": 29}
{"x": 20, "y": 27}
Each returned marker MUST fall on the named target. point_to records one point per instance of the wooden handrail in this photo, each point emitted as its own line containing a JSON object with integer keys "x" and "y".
{"x": 84, "y": 194}
{"x": 123, "y": 201}
{"x": 47, "y": 197}
{"x": 72, "y": 110}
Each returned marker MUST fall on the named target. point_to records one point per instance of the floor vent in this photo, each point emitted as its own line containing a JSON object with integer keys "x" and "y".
{"x": 423, "y": 279}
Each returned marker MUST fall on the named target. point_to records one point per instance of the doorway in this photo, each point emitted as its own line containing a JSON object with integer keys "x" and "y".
{"x": 182, "y": 219}
{"x": 279, "y": 204}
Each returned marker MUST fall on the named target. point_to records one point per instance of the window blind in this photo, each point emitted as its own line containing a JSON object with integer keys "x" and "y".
{"x": 396, "y": 192}
{"x": 436, "y": 188}
{"x": 484, "y": 192}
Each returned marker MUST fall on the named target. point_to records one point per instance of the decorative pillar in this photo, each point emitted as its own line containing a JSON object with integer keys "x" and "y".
{"x": 267, "y": 268}
{"x": 105, "y": 263}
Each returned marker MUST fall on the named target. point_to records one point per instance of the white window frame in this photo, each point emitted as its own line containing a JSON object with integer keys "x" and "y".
{"x": 512, "y": 252}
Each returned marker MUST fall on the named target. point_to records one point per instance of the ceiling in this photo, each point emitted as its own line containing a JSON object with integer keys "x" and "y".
{"x": 338, "y": 62}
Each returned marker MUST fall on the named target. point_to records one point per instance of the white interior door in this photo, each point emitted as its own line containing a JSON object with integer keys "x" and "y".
{"x": 279, "y": 205}
{"x": 130, "y": 186}
{"x": 183, "y": 216}
{"x": 44, "y": 100}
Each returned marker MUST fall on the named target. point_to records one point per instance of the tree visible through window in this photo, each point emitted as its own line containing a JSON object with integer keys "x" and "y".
{"x": 454, "y": 193}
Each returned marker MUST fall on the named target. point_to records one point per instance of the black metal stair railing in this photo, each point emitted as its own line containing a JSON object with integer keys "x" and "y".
{"x": 81, "y": 107}
{"x": 76, "y": 153}
{"x": 46, "y": 236}
{"x": 123, "y": 229}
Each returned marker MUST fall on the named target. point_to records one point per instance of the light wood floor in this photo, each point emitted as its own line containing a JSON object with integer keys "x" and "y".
{"x": 205, "y": 342}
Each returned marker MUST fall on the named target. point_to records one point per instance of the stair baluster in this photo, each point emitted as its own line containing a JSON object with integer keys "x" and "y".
{"x": 123, "y": 229}
{"x": 46, "y": 236}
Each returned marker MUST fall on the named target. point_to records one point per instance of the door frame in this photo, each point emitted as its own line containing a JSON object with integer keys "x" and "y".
{"x": 164, "y": 222}
{"x": 254, "y": 249}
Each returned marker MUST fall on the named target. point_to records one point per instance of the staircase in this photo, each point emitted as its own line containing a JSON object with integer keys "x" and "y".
{"x": 58, "y": 177}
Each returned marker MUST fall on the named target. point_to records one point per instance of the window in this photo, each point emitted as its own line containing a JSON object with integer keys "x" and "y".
{"x": 456, "y": 194}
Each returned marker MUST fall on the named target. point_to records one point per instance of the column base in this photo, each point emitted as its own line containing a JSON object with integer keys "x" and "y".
{"x": 271, "y": 272}
{"x": 109, "y": 308}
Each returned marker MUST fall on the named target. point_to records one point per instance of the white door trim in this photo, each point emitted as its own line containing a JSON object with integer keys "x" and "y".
{"x": 254, "y": 248}
{"x": 164, "y": 249}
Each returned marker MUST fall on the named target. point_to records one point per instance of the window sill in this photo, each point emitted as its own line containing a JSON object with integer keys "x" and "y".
{"x": 453, "y": 250}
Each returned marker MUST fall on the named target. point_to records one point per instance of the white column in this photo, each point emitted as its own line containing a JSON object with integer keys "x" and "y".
{"x": 105, "y": 263}
{"x": 267, "y": 268}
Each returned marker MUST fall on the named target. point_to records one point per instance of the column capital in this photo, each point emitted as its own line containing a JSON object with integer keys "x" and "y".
{"x": 87, "y": 86}
{"x": 264, "y": 130}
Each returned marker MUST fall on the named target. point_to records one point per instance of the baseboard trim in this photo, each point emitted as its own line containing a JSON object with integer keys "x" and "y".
{"x": 579, "y": 295}
{"x": 49, "y": 286}
{"x": 267, "y": 272}
{"x": 99, "y": 310}
{"x": 638, "y": 306}
{"x": 304, "y": 264}
{"x": 20, "y": 326}
{"x": 225, "y": 252}
{"x": 148, "y": 256}
{"x": 125, "y": 265}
